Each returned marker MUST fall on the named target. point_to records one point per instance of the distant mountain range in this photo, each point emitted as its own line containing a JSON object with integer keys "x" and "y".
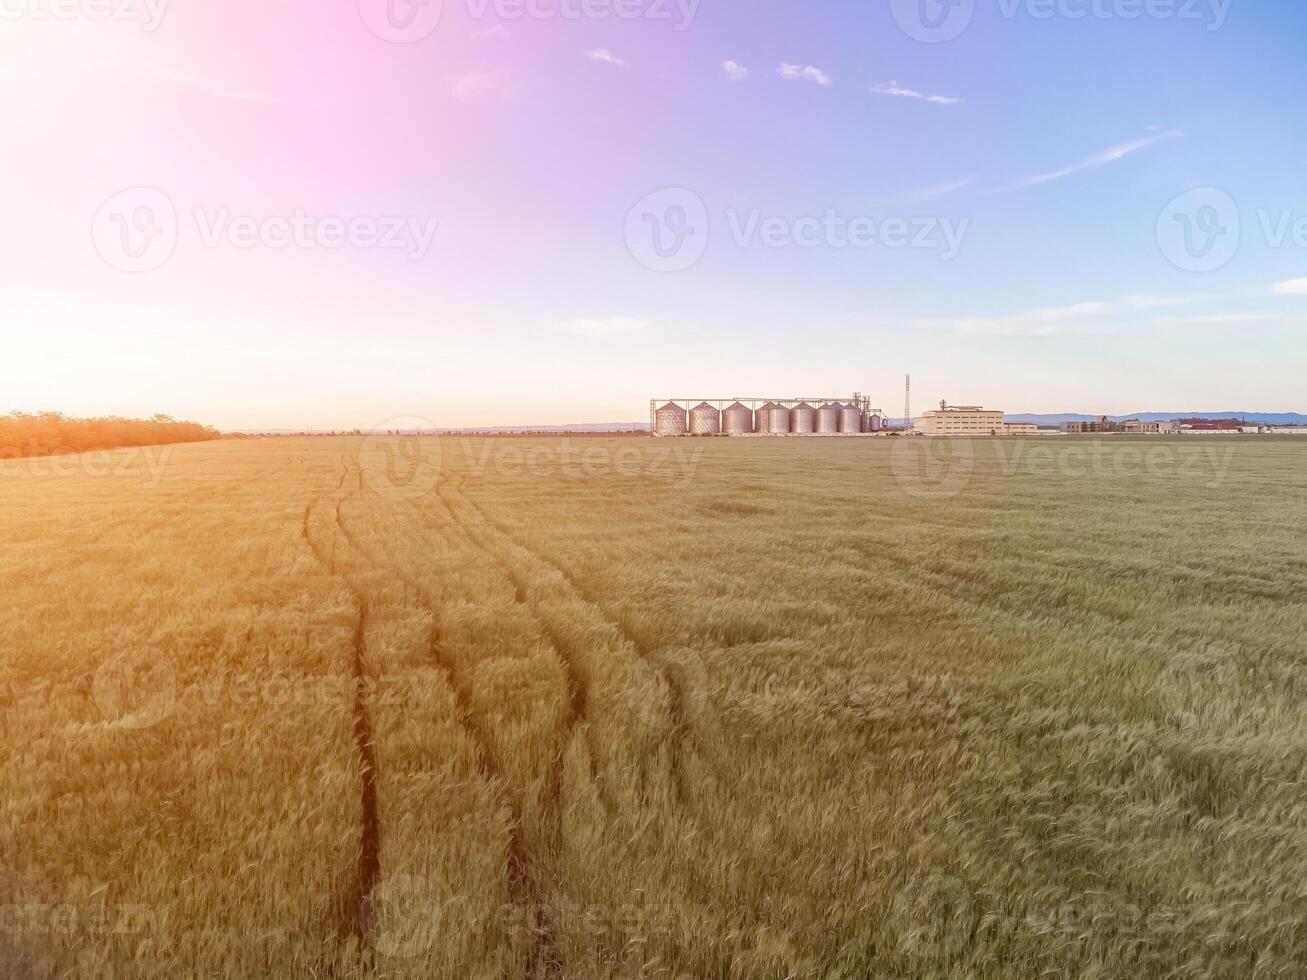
{"x": 483, "y": 430}
{"x": 1259, "y": 418}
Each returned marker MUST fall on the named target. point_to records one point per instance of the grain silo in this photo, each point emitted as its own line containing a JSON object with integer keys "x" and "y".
{"x": 803, "y": 419}
{"x": 670, "y": 420}
{"x": 774, "y": 419}
{"x": 737, "y": 420}
{"x": 850, "y": 418}
{"x": 871, "y": 422}
{"x": 705, "y": 420}
{"x": 828, "y": 419}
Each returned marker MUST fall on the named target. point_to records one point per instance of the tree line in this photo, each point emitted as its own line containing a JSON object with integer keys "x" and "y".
{"x": 53, "y": 434}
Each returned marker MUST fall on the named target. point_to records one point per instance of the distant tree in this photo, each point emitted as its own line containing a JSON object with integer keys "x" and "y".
{"x": 24, "y": 434}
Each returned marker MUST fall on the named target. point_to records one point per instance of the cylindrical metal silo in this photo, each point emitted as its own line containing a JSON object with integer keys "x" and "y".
{"x": 775, "y": 419}
{"x": 670, "y": 420}
{"x": 871, "y": 422}
{"x": 705, "y": 420}
{"x": 737, "y": 420}
{"x": 828, "y": 419}
{"x": 850, "y": 418}
{"x": 803, "y": 419}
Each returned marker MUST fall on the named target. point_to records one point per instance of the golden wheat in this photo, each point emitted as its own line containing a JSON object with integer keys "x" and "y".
{"x": 616, "y": 707}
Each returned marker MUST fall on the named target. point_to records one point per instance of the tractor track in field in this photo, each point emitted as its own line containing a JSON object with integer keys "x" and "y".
{"x": 354, "y": 908}
{"x": 520, "y": 878}
{"x": 543, "y": 959}
{"x": 681, "y": 726}
{"x": 578, "y": 694}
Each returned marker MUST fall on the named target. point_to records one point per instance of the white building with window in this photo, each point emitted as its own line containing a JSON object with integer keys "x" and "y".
{"x": 961, "y": 420}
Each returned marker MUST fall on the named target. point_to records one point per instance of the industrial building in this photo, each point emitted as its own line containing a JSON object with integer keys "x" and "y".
{"x": 960, "y": 420}
{"x": 765, "y": 417}
{"x": 1150, "y": 428}
{"x": 1100, "y": 425}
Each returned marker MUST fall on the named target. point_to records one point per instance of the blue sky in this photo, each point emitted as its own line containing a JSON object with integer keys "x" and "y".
{"x": 1037, "y": 159}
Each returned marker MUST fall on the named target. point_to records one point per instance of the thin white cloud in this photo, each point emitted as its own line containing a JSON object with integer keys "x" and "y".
{"x": 1032, "y": 323}
{"x": 735, "y": 71}
{"x": 939, "y": 190}
{"x": 893, "y": 88}
{"x": 1291, "y": 287}
{"x": 809, "y": 73}
{"x": 157, "y": 72}
{"x": 486, "y": 86}
{"x": 611, "y": 327}
{"x": 1099, "y": 159}
{"x": 603, "y": 54}
{"x": 1100, "y": 318}
{"x": 493, "y": 31}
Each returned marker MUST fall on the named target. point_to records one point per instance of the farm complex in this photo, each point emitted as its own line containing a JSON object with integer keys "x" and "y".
{"x": 765, "y": 417}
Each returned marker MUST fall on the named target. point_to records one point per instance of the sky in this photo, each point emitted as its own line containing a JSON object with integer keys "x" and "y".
{"x": 338, "y": 213}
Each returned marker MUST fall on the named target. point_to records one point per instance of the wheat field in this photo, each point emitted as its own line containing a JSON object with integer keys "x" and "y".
{"x": 622, "y": 707}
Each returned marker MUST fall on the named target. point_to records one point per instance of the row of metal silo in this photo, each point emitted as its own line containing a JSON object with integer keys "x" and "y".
{"x": 770, "y": 419}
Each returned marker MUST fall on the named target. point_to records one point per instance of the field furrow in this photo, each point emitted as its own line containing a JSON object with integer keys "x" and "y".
{"x": 506, "y": 724}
